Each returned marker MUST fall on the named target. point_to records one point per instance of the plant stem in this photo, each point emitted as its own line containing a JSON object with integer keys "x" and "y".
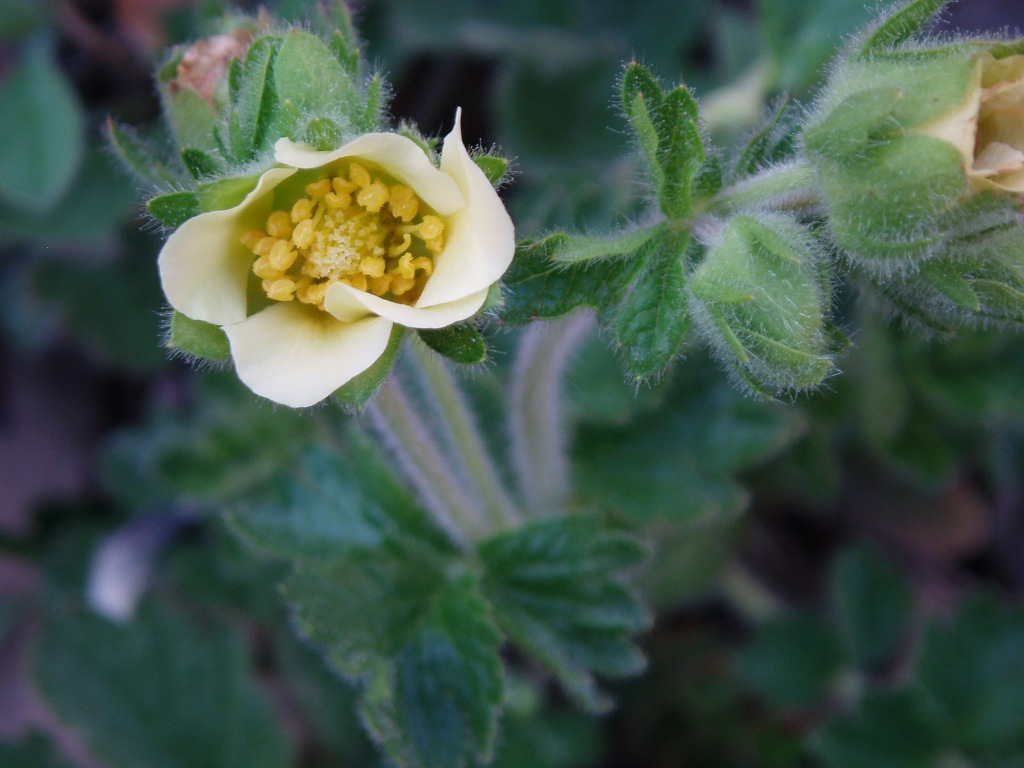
{"x": 536, "y": 420}
{"x": 791, "y": 186}
{"x": 465, "y": 439}
{"x": 404, "y": 433}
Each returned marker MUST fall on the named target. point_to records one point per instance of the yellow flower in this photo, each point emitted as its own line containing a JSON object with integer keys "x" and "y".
{"x": 309, "y": 273}
{"x": 988, "y": 127}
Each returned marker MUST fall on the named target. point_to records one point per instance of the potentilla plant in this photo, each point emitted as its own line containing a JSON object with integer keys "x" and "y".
{"x": 309, "y": 243}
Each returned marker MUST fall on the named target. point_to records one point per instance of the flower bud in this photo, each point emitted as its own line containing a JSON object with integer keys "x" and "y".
{"x": 759, "y": 298}
{"x": 204, "y": 65}
{"x": 913, "y": 152}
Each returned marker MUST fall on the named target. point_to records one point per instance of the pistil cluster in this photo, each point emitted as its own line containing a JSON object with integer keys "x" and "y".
{"x": 352, "y": 228}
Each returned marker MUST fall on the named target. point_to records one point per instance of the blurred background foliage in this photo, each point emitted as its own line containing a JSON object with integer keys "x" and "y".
{"x": 837, "y": 580}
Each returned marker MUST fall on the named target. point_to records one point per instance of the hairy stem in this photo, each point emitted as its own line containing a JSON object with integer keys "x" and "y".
{"x": 536, "y": 419}
{"x": 424, "y": 463}
{"x": 466, "y": 440}
{"x": 791, "y": 186}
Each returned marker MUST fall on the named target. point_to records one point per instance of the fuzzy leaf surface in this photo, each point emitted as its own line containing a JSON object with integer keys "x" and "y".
{"x": 901, "y": 25}
{"x": 461, "y": 343}
{"x": 159, "y": 693}
{"x": 198, "y": 338}
{"x": 558, "y": 589}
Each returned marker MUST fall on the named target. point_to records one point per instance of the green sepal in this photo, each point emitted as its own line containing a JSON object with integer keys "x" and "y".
{"x": 323, "y": 134}
{"x": 191, "y": 117}
{"x": 559, "y": 591}
{"x": 345, "y": 50}
{"x": 140, "y": 157}
{"x": 309, "y": 76}
{"x": 461, "y": 342}
{"x": 653, "y": 320}
{"x": 852, "y": 125}
{"x": 201, "y": 164}
{"x": 174, "y": 208}
{"x": 708, "y": 181}
{"x": 900, "y": 26}
{"x": 253, "y": 97}
{"x": 573, "y": 249}
{"x": 222, "y": 194}
{"x": 358, "y": 391}
{"x": 495, "y": 167}
{"x": 198, "y": 338}
{"x": 540, "y": 289}
{"x": 376, "y": 101}
{"x": 680, "y": 152}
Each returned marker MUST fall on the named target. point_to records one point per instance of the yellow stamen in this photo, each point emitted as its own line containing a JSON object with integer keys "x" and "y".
{"x": 279, "y": 224}
{"x": 352, "y": 227}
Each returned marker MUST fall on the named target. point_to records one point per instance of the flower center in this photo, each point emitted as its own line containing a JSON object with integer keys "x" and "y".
{"x": 349, "y": 228}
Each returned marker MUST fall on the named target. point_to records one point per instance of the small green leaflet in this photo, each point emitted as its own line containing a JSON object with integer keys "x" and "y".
{"x": 901, "y": 25}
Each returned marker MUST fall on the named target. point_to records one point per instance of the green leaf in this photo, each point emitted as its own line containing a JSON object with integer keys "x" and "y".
{"x": 358, "y": 391}
{"x": 174, "y": 208}
{"x": 253, "y": 96}
{"x": 192, "y": 118}
{"x": 972, "y": 670}
{"x": 653, "y": 320}
{"x": 309, "y": 76}
{"x": 140, "y": 157}
{"x": 642, "y": 98}
{"x": 678, "y": 463}
{"x": 558, "y": 589}
{"x": 461, "y": 342}
{"x": 423, "y": 644}
{"x": 494, "y": 167}
{"x": 158, "y": 693}
{"x": 376, "y": 101}
{"x": 763, "y": 147}
{"x": 573, "y": 249}
{"x": 198, "y": 338}
{"x": 539, "y": 288}
{"x": 42, "y": 131}
{"x": 200, "y": 164}
{"x": 680, "y": 152}
{"x": 872, "y": 607}
{"x": 900, "y": 26}
{"x": 891, "y": 729}
{"x": 793, "y": 662}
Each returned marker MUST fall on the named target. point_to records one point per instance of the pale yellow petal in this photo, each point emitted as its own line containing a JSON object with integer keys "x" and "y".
{"x": 297, "y": 356}
{"x": 345, "y": 301}
{"x": 479, "y": 240}
{"x": 960, "y": 126}
{"x": 204, "y": 268}
{"x": 400, "y": 157}
{"x": 998, "y": 158}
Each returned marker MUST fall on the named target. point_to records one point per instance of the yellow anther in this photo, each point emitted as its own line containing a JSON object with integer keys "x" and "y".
{"x": 404, "y": 267}
{"x": 425, "y": 264}
{"x": 282, "y": 256}
{"x": 279, "y": 224}
{"x": 431, "y": 228}
{"x": 436, "y": 245}
{"x": 263, "y": 268}
{"x": 373, "y": 197}
{"x": 397, "y": 250}
{"x": 342, "y": 186}
{"x": 264, "y": 246}
{"x": 357, "y": 281}
{"x": 304, "y": 234}
{"x": 252, "y": 238}
{"x": 335, "y": 201}
{"x": 312, "y": 293}
{"x": 359, "y": 175}
{"x": 380, "y": 285}
{"x": 404, "y": 203}
{"x": 280, "y": 290}
{"x": 303, "y": 209}
{"x": 372, "y": 266}
{"x": 318, "y": 189}
{"x": 400, "y": 285}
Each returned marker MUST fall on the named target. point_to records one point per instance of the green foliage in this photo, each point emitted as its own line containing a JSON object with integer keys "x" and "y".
{"x": 356, "y": 393}
{"x": 557, "y": 592}
{"x": 901, "y": 25}
{"x": 197, "y": 338}
{"x": 173, "y": 209}
{"x": 42, "y": 131}
{"x": 158, "y": 692}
